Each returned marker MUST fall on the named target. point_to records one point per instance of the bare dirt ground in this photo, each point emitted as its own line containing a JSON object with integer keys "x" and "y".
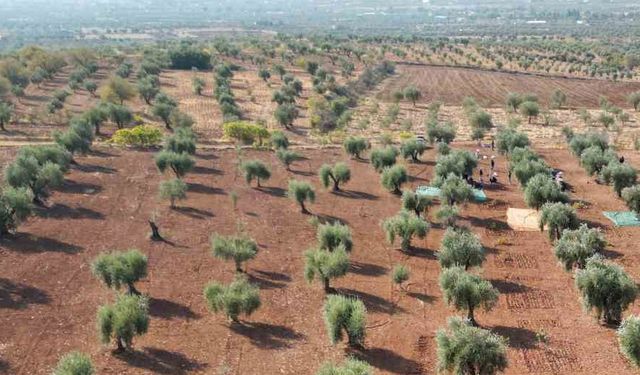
{"x": 452, "y": 85}
{"x": 48, "y": 297}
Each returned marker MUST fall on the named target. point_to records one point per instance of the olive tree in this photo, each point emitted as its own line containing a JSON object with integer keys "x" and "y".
{"x": 336, "y": 174}
{"x": 631, "y": 197}
{"x": 172, "y": 190}
{"x": 418, "y": 203}
{"x": 287, "y": 157}
{"x": 326, "y": 265}
{"x": 606, "y": 288}
{"x": 179, "y": 163}
{"x": 286, "y": 114}
{"x": 300, "y": 192}
{"x": 629, "y": 339}
{"x": 413, "y": 94}
{"x": 557, "y": 217}
{"x": 351, "y": 366}
{"x": 400, "y": 274}
{"x": 182, "y": 140}
{"x": 6, "y": 113}
{"x": 355, "y": 146}
{"x": 119, "y": 114}
{"x": 413, "y": 149}
{"x": 508, "y": 139}
{"x": 593, "y": 159}
{"x": 466, "y": 291}
{"x": 541, "y": 189}
{"x": 393, "y": 177}
{"x": 558, "y": 99}
{"x": 345, "y": 315}
{"x": 524, "y": 170}
{"x": 457, "y": 162}
{"x": 26, "y": 172}
{"x": 460, "y": 248}
{"x": 237, "y": 248}
{"x": 580, "y": 142}
{"x": 440, "y": 133}
{"x": 529, "y": 110}
{"x": 576, "y": 246}
{"x": 126, "y": 318}
{"x": 513, "y": 101}
{"x": 405, "y": 226}
{"x": 332, "y": 236}
{"x": 238, "y": 297}
{"x": 468, "y": 350}
{"x": 620, "y": 175}
{"x": 279, "y": 140}
{"x": 634, "y": 100}
{"x": 74, "y": 363}
{"x": 119, "y": 269}
{"x": 148, "y": 88}
{"x": 455, "y": 190}
{"x": 15, "y": 207}
{"x": 255, "y": 169}
{"x": 382, "y": 158}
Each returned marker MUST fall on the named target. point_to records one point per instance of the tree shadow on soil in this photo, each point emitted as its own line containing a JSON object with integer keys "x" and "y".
{"x": 328, "y": 219}
{"x": 90, "y": 168}
{"x": 265, "y": 282}
{"x": 273, "y": 191}
{"x": 163, "y": 308}
{"x": 508, "y": 287}
{"x": 420, "y": 252}
{"x": 207, "y": 170}
{"x": 73, "y": 187}
{"x": 367, "y": 269}
{"x": 425, "y": 298}
{"x": 62, "y": 211}
{"x": 194, "y": 213}
{"x": 488, "y": 223}
{"x": 355, "y": 195}
{"x": 520, "y": 338}
{"x": 204, "y": 189}
{"x": 161, "y": 361}
{"x": 267, "y": 336}
{"x": 386, "y": 360}
{"x": 371, "y": 301}
{"x": 27, "y": 243}
{"x": 18, "y": 296}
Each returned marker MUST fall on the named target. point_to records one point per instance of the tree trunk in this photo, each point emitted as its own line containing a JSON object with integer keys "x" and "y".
{"x": 336, "y": 184}
{"x": 132, "y": 289}
{"x": 120, "y": 346}
{"x": 325, "y": 281}
{"x": 405, "y": 245}
{"x": 303, "y": 209}
{"x": 238, "y": 267}
{"x": 2, "y": 126}
{"x": 97, "y": 129}
{"x": 155, "y": 232}
{"x": 258, "y": 181}
{"x": 471, "y": 318}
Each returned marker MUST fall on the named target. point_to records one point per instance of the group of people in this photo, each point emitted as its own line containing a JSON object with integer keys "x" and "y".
{"x": 493, "y": 175}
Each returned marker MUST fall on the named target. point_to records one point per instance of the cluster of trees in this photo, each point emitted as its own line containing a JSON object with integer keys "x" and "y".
{"x": 527, "y": 104}
{"x": 176, "y": 156}
{"x": 223, "y": 74}
{"x": 480, "y": 120}
{"x": 286, "y": 96}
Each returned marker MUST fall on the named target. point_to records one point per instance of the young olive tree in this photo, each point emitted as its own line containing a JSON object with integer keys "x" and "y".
{"x": 455, "y": 190}
{"x": 382, "y": 158}
{"x": 126, "y": 318}
{"x": 355, "y": 146}
{"x": 351, "y": 366}
{"x": 74, "y": 363}
{"x": 172, "y": 190}
{"x": 466, "y": 291}
{"x": 300, "y": 192}
{"x": 541, "y": 189}
{"x": 468, "y": 350}
{"x": 26, "y": 172}
{"x": 336, "y": 174}
{"x": 287, "y": 157}
{"x": 418, "y": 203}
{"x": 237, "y": 248}
{"x": 405, "y": 226}
{"x": 413, "y": 149}
{"x": 631, "y": 197}
{"x": 179, "y": 163}
{"x": 412, "y": 93}
{"x": 629, "y": 339}
{"x": 576, "y": 246}
{"x": 606, "y": 288}
{"x": 507, "y": 139}
{"x": 255, "y": 169}
{"x": 118, "y": 269}
{"x": 400, "y": 274}
{"x": 15, "y": 206}
{"x": 393, "y": 177}
{"x": 440, "y": 133}
{"x": 326, "y": 265}
{"x": 279, "y": 140}
{"x": 593, "y": 159}
{"x": 461, "y": 248}
{"x": 557, "y": 217}
{"x": 457, "y": 162}
{"x": 332, "y": 236}
{"x": 238, "y": 297}
{"x": 529, "y": 110}
{"x": 620, "y": 175}
{"x": 183, "y": 140}
{"x": 345, "y": 315}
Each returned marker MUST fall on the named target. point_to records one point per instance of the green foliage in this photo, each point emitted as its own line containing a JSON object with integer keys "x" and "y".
{"x": 457, "y": 162}
{"x": 118, "y": 269}
{"x": 345, "y": 315}
{"x": 525, "y": 170}
{"x": 470, "y": 350}
{"x": 576, "y": 246}
{"x": 558, "y": 99}
{"x": 286, "y": 114}
{"x": 413, "y": 149}
{"x": 393, "y": 177}
{"x": 400, "y": 274}
{"x": 593, "y": 159}
{"x": 620, "y": 175}
{"x": 279, "y": 140}
{"x": 74, "y": 363}
{"x": 255, "y": 169}
{"x": 183, "y": 140}
{"x": 455, "y": 190}
{"x": 460, "y": 248}
{"x": 198, "y": 84}
{"x": 558, "y": 217}
{"x": 412, "y": 93}
{"x": 350, "y": 367}
{"x": 629, "y": 339}
{"x": 513, "y": 101}
{"x": 529, "y": 109}
{"x": 6, "y": 113}
{"x": 382, "y": 158}
{"x": 479, "y": 119}
{"x": 163, "y": 110}
{"x": 287, "y": 157}
{"x": 117, "y": 90}
{"x": 26, "y": 172}
{"x": 337, "y": 174}
{"x": 237, "y": 248}
{"x": 448, "y": 215}
{"x": 245, "y": 132}
{"x": 541, "y": 189}
{"x": 15, "y": 207}
{"x": 187, "y": 57}
{"x": 440, "y": 133}
{"x": 148, "y": 88}
{"x": 417, "y": 203}
{"x": 300, "y": 192}
{"x": 631, "y": 197}
{"x": 141, "y": 136}
{"x": 581, "y": 142}
{"x": 634, "y": 100}
{"x": 355, "y": 146}
{"x": 238, "y": 297}
{"x": 405, "y": 226}
{"x": 332, "y": 236}
{"x": 126, "y": 318}
{"x": 119, "y": 114}
{"x": 509, "y": 139}
{"x": 179, "y": 163}
{"x": 326, "y": 265}
{"x": 466, "y": 291}
{"x": 172, "y": 190}
{"x": 47, "y": 153}
{"x": 606, "y": 288}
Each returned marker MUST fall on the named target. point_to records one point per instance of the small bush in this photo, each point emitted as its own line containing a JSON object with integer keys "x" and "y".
{"x": 393, "y": 177}
{"x": 172, "y": 190}
{"x": 400, "y": 274}
{"x": 255, "y": 169}
{"x": 631, "y": 197}
{"x": 300, "y": 192}
{"x": 337, "y": 174}
{"x": 245, "y": 132}
{"x": 15, "y": 207}
{"x": 279, "y": 140}
{"x": 629, "y": 339}
{"x": 238, "y": 297}
{"x": 350, "y": 367}
{"x": 126, "y": 318}
{"x": 74, "y": 363}
{"x": 141, "y": 136}
{"x": 237, "y": 248}
{"x": 118, "y": 269}
{"x": 405, "y": 226}
{"x": 345, "y": 315}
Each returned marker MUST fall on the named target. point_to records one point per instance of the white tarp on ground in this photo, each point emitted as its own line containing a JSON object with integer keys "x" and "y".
{"x": 523, "y": 219}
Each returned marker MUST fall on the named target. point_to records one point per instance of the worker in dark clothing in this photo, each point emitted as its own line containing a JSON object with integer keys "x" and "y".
{"x": 621, "y": 159}
{"x": 509, "y": 176}
{"x": 493, "y": 145}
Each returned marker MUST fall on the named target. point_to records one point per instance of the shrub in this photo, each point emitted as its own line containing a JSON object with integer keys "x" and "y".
{"x": 15, "y": 207}
{"x": 629, "y": 339}
{"x": 332, "y": 236}
{"x": 440, "y": 133}
{"x": 74, "y": 363}
{"x": 279, "y": 140}
{"x": 581, "y": 142}
{"x": 513, "y": 101}
{"x": 455, "y": 190}
{"x": 413, "y": 149}
{"x": 287, "y": 157}
{"x": 285, "y": 114}
{"x": 541, "y": 189}
{"x": 238, "y": 297}
{"x": 348, "y": 315}
{"x": 405, "y": 226}
{"x": 558, "y": 99}
{"x": 355, "y": 146}
{"x": 198, "y": 84}
{"x": 141, "y": 136}
{"x": 26, "y": 172}
{"x": 255, "y": 169}
{"x": 606, "y": 288}
{"x": 326, "y": 265}
{"x": 300, "y": 192}
{"x": 337, "y": 174}
{"x": 179, "y": 163}
{"x": 117, "y": 90}
{"x": 576, "y": 246}
{"x": 417, "y": 203}
{"x": 172, "y": 190}
{"x": 460, "y": 248}
{"x": 393, "y": 177}
{"x": 509, "y": 139}
{"x": 126, "y": 318}
{"x": 350, "y": 367}
{"x": 448, "y": 215}
{"x": 237, "y": 248}
{"x": 400, "y": 274}
{"x": 382, "y": 158}
{"x": 631, "y": 197}
{"x": 525, "y": 170}
{"x": 245, "y": 132}
{"x": 529, "y": 109}
{"x": 466, "y": 347}
{"x": 457, "y": 162}
{"x": 558, "y": 217}
{"x": 634, "y": 100}
{"x": 466, "y": 291}
{"x": 480, "y": 120}
{"x": 593, "y": 159}
{"x": 620, "y": 175}
{"x": 118, "y": 269}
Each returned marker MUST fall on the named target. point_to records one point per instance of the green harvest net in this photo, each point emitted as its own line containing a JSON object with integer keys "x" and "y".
{"x": 622, "y": 218}
{"x": 431, "y": 191}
